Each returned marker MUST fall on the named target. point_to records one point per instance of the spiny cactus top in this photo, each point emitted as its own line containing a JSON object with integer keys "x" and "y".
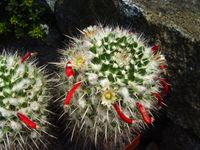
{"x": 23, "y": 100}
{"x": 114, "y": 81}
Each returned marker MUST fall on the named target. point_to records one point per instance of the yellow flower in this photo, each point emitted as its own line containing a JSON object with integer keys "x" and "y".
{"x": 108, "y": 97}
{"x": 79, "y": 60}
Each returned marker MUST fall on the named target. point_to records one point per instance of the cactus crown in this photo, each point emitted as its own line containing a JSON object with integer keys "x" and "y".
{"x": 117, "y": 79}
{"x": 23, "y": 100}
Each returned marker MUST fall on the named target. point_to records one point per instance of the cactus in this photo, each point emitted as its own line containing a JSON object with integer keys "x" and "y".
{"x": 113, "y": 82}
{"x": 23, "y": 100}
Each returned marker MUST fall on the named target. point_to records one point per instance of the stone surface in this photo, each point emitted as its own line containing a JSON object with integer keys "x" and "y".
{"x": 78, "y": 14}
{"x": 51, "y": 4}
{"x": 183, "y": 16}
{"x": 175, "y": 138}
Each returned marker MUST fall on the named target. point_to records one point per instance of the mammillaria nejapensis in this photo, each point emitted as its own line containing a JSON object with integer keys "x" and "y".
{"x": 23, "y": 101}
{"x": 113, "y": 82}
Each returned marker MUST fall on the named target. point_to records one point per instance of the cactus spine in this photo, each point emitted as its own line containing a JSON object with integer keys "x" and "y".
{"x": 23, "y": 100}
{"x": 114, "y": 81}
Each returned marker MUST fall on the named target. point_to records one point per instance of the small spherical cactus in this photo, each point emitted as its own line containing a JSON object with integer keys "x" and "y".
{"x": 23, "y": 101}
{"x": 113, "y": 82}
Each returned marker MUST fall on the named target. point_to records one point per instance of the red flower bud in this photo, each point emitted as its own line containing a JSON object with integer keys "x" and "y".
{"x": 154, "y": 48}
{"x": 68, "y": 69}
{"x": 164, "y": 85}
{"x": 69, "y": 95}
{"x": 159, "y": 99}
{"x": 27, "y": 121}
{"x": 147, "y": 119}
{"x": 25, "y": 57}
{"x": 122, "y": 116}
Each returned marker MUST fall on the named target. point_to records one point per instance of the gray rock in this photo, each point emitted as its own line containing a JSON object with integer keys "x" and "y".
{"x": 71, "y": 15}
{"x": 51, "y": 4}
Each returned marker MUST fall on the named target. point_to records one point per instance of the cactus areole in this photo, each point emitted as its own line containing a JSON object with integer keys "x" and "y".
{"x": 23, "y": 100}
{"x": 114, "y": 81}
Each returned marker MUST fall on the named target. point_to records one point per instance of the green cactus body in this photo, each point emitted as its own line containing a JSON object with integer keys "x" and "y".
{"x": 23, "y": 100}
{"x": 119, "y": 79}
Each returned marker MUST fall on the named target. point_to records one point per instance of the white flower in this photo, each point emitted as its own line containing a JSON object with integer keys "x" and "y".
{"x": 108, "y": 97}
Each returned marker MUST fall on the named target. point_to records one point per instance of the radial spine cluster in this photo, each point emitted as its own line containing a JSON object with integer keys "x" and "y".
{"x": 113, "y": 82}
{"x": 23, "y": 100}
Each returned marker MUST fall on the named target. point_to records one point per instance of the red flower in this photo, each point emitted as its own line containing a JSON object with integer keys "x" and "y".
{"x": 69, "y": 95}
{"x": 27, "y": 121}
{"x": 25, "y": 57}
{"x": 147, "y": 119}
{"x": 154, "y": 48}
{"x": 122, "y": 116}
{"x": 68, "y": 69}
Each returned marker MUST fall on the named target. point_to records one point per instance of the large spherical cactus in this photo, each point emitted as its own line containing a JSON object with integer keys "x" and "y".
{"x": 114, "y": 82}
{"x": 23, "y": 101}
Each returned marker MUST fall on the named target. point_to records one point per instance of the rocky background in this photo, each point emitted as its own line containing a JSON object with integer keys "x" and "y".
{"x": 174, "y": 24}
